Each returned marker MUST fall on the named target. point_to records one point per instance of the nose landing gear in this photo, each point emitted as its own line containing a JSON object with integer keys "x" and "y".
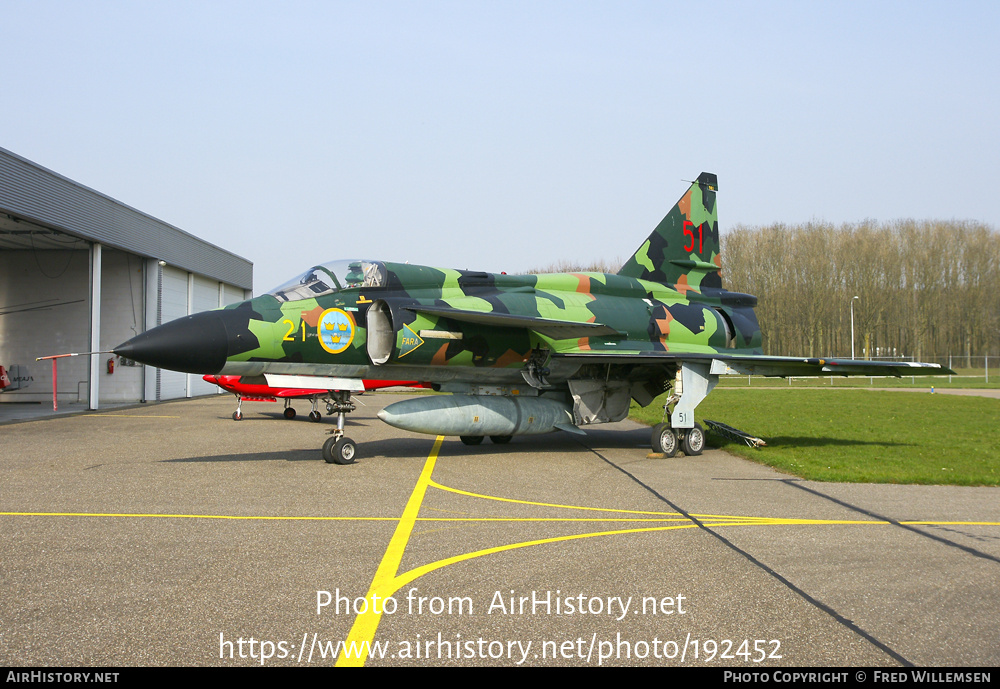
{"x": 339, "y": 449}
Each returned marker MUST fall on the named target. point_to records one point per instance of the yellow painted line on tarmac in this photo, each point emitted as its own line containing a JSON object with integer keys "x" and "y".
{"x": 388, "y": 580}
{"x": 418, "y": 572}
{"x": 550, "y": 519}
{"x": 459, "y": 491}
{"x": 706, "y": 521}
{"x": 383, "y": 584}
{"x": 726, "y": 521}
{"x": 138, "y": 515}
{"x": 481, "y": 496}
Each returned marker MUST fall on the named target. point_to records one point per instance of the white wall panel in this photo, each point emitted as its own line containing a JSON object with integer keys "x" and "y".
{"x": 173, "y": 305}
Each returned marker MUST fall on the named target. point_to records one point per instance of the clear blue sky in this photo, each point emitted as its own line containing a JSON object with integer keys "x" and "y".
{"x": 503, "y": 135}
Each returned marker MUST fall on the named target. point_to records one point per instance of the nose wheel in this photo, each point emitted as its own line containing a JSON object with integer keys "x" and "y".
{"x": 339, "y": 449}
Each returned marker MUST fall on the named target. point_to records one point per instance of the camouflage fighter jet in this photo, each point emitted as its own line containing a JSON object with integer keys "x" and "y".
{"x": 522, "y": 354}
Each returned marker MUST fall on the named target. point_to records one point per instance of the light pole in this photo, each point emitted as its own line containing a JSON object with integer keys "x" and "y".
{"x": 852, "y": 326}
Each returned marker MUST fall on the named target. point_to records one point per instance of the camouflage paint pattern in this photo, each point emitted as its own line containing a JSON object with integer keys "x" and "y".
{"x": 382, "y": 320}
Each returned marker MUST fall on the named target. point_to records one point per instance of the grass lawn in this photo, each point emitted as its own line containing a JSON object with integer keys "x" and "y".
{"x": 858, "y": 435}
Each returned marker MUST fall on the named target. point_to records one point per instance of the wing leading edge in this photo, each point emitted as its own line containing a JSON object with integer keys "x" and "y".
{"x": 764, "y": 365}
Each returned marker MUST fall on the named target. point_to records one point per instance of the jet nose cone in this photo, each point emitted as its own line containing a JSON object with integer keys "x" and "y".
{"x": 199, "y": 343}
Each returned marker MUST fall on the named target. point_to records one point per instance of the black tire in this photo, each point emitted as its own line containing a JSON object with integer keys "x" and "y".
{"x": 471, "y": 439}
{"x": 314, "y": 415}
{"x": 694, "y": 441}
{"x": 289, "y": 413}
{"x": 664, "y": 440}
{"x": 500, "y": 439}
{"x": 237, "y": 416}
{"x": 343, "y": 451}
{"x": 328, "y": 449}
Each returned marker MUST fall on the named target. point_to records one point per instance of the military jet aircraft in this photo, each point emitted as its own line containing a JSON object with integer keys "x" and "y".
{"x": 257, "y": 390}
{"x": 522, "y": 354}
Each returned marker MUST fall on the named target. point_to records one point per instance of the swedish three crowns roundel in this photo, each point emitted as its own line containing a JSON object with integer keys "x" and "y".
{"x": 336, "y": 330}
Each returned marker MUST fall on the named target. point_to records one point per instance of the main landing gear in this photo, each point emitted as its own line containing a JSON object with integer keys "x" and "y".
{"x": 314, "y": 415}
{"x": 339, "y": 449}
{"x": 692, "y": 384}
{"x": 667, "y": 440}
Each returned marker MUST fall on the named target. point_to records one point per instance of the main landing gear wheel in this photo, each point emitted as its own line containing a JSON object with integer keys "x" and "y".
{"x": 237, "y": 415}
{"x": 471, "y": 439}
{"x": 664, "y": 440}
{"x": 694, "y": 441}
{"x": 289, "y": 413}
{"x": 500, "y": 439}
{"x": 314, "y": 415}
{"x": 340, "y": 451}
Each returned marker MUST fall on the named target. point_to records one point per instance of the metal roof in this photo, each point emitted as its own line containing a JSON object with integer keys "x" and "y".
{"x": 50, "y": 201}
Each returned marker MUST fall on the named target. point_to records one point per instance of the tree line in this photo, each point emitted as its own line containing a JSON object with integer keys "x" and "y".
{"x": 925, "y": 289}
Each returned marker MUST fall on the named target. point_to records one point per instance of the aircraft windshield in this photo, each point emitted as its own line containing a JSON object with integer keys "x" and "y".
{"x": 331, "y": 277}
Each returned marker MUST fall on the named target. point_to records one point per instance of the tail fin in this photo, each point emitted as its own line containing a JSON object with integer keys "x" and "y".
{"x": 684, "y": 247}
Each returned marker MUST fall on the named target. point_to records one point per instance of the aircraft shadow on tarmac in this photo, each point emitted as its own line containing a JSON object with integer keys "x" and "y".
{"x": 311, "y": 455}
{"x": 417, "y": 447}
{"x": 279, "y": 417}
{"x": 596, "y": 439}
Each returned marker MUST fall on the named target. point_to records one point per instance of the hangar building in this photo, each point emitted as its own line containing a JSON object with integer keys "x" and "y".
{"x": 82, "y": 272}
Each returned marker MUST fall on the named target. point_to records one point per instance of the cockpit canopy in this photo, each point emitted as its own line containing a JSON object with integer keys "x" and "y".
{"x": 332, "y": 277}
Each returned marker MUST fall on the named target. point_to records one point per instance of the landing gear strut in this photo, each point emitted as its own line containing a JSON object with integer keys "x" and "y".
{"x": 693, "y": 383}
{"x": 314, "y": 415}
{"x": 339, "y": 449}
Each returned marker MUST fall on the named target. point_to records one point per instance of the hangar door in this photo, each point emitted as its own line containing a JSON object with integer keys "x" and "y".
{"x": 172, "y": 298}
{"x": 204, "y": 296}
{"x": 178, "y": 293}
